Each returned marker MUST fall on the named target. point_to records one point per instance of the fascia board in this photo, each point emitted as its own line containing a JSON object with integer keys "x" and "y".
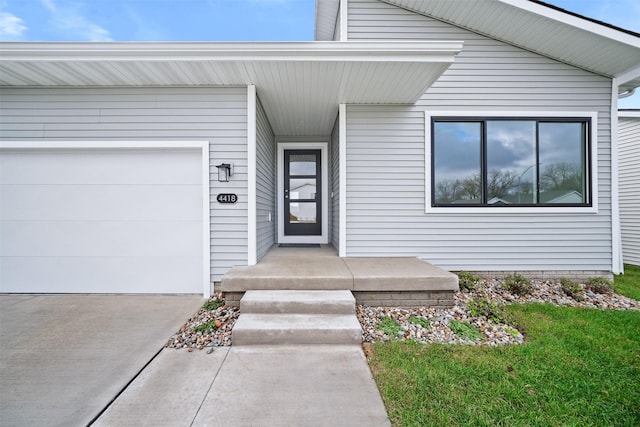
{"x": 629, "y": 75}
{"x": 629, "y": 114}
{"x": 411, "y": 51}
{"x": 575, "y": 21}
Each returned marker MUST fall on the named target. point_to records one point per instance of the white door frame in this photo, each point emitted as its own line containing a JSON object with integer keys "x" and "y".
{"x": 323, "y": 147}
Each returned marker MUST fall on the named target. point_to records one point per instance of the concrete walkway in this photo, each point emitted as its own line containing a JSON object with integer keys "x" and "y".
{"x": 64, "y": 358}
{"x": 304, "y": 385}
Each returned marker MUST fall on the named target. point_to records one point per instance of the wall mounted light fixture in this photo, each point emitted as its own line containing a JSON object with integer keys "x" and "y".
{"x": 225, "y": 170}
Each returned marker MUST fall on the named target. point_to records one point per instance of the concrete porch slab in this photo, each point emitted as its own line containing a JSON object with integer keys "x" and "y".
{"x": 322, "y": 269}
{"x": 292, "y": 269}
{"x": 399, "y": 274}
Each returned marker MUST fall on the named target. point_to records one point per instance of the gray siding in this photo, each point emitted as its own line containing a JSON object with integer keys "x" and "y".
{"x": 266, "y": 183}
{"x": 629, "y": 144}
{"x": 386, "y": 210}
{"x": 334, "y": 183}
{"x": 218, "y": 115}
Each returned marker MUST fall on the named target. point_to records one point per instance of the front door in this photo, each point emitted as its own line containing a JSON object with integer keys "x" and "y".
{"x": 302, "y": 192}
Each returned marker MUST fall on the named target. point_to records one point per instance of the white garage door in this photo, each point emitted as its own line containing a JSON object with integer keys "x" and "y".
{"x": 101, "y": 219}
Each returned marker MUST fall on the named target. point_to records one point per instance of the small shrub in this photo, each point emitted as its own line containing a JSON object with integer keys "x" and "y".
{"x": 572, "y": 289}
{"x": 213, "y": 304}
{"x": 206, "y": 327}
{"x": 467, "y": 281}
{"x": 389, "y": 326}
{"x": 420, "y": 321}
{"x": 512, "y": 331}
{"x": 599, "y": 285}
{"x": 465, "y": 330}
{"x": 517, "y": 284}
{"x": 485, "y": 308}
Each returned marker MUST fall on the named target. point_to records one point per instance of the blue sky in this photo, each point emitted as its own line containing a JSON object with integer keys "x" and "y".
{"x": 214, "y": 20}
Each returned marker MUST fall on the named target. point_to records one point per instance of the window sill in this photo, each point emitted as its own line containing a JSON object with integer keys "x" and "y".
{"x": 512, "y": 210}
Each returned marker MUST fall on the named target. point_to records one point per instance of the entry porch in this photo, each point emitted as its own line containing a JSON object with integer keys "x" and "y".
{"x": 405, "y": 281}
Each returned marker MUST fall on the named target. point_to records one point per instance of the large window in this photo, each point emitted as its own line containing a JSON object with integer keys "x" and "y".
{"x": 510, "y": 162}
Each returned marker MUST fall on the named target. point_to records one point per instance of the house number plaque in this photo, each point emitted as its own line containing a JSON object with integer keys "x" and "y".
{"x": 227, "y": 198}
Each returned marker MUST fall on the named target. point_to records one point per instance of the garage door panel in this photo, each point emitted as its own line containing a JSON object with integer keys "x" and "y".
{"x": 105, "y": 220}
{"x": 101, "y": 274}
{"x": 101, "y": 166}
{"x": 101, "y": 238}
{"x": 101, "y": 202}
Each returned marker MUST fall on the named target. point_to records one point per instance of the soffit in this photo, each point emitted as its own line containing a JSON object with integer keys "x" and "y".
{"x": 326, "y": 19}
{"x": 542, "y": 29}
{"x": 299, "y": 84}
{"x": 536, "y": 27}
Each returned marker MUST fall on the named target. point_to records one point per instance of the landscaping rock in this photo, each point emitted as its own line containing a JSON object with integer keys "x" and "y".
{"x": 493, "y": 333}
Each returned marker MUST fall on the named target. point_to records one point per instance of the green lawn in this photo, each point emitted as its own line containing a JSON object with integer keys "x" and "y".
{"x": 629, "y": 283}
{"x": 579, "y": 367}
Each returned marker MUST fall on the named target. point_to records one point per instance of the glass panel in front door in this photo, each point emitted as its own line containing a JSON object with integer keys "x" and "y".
{"x": 302, "y": 192}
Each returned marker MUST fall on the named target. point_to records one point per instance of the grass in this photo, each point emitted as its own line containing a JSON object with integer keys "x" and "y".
{"x": 629, "y": 283}
{"x": 579, "y": 367}
{"x": 465, "y": 330}
{"x": 389, "y": 326}
{"x": 206, "y": 327}
{"x": 213, "y": 304}
{"x": 420, "y": 321}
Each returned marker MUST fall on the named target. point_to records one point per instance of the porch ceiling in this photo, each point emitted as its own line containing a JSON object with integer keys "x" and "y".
{"x": 299, "y": 84}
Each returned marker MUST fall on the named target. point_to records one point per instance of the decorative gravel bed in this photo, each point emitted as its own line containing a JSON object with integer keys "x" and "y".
{"x": 489, "y": 295}
{"x": 476, "y": 318}
{"x": 206, "y": 328}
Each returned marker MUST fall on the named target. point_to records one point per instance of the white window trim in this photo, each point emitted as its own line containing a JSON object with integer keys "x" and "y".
{"x": 324, "y": 148}
{"x": 500, "y": 210}
{"x": 203, "y": 146}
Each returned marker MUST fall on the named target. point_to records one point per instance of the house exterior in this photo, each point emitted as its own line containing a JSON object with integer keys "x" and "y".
{"x": 629, "y": 143}
{"x": 390, "y": 135}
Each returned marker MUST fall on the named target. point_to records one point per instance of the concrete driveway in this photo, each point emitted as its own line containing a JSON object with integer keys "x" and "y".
{"x": 64, "y": 358}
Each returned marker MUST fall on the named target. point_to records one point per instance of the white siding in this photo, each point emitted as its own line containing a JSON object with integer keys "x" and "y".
{"x": 218, "y": 115}
{"x": 629, "y": 144}
{"x": 266, "y": 184}
{"x": 334, "y": 183}
{"x": 385, "y": 157}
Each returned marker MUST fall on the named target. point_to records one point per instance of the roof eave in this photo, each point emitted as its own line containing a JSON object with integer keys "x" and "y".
{"x": 300, "y": 84}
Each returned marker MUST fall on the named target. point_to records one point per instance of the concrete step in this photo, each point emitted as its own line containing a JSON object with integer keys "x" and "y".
{"x": 288, "y": 329}
{"x": 298, "y": 302}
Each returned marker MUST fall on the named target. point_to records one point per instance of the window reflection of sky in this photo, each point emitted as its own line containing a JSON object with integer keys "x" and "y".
{"x": 561, "y": 143}
{"x": 511, "y": 145}
{"x": 456, "y": 149}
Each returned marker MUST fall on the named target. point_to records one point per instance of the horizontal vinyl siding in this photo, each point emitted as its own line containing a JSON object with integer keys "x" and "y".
{"x": 334, "y": 193}
{"x": 386, "y": 169}
{"x": 266, "y": 183}
{"x": 629, "y": 145}
{"x": 217, "y": 115}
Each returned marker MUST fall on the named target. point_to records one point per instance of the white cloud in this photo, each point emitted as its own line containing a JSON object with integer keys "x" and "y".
{"x": 49, "y": 4}
{"x": 67, "y": 20}
{"x": 11, "y": 27}
{"x": 144, "y": 28}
